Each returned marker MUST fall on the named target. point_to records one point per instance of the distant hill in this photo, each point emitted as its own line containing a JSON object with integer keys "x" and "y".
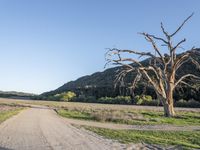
{"x": 14, "y": 94}
{"x": 95, "y": 81}
{"x": 102, "y": 84}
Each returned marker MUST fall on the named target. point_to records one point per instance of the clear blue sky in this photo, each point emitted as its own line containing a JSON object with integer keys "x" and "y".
{"x": 46, "y": 43}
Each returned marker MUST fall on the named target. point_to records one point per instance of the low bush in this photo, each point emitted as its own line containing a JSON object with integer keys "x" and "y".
{"x": 191, "y": 103}
{"x": 153, "y": 103}
{"x": 181, "y": 103}
{"x": 142, "y": 99}
{"x": 83, "y": 98}
{"x": 138, "y": 100}
{"x": 115, "y": 100}
{"x": 65, "y": 96}
{"x": 107, "y": 100}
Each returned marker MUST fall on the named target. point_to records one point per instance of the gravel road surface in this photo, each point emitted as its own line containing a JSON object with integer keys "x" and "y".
{"x": 40, "y": 128}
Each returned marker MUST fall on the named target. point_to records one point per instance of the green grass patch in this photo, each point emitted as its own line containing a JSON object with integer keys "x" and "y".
{"x": 74, "y": 114}
{"x": 187, "y": 139}
{"x": 138, "y": 117}
{"x": 181, "y": 118}
{"x": 9, "y": 113}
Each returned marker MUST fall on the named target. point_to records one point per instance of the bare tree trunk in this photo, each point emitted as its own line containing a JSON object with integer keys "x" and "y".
{"x": 168, "y": 104}
{"x": 169, "y": 110}
{"x": 170, "y": 100}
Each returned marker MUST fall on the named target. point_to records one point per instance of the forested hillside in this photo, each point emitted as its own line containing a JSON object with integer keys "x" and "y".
{"x": 14, "y": 94}
{"x": 101, "y": 84}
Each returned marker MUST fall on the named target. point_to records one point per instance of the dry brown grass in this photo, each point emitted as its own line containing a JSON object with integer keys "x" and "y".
{"x": 128, "y": 114}
{"x": 88, "y": 106}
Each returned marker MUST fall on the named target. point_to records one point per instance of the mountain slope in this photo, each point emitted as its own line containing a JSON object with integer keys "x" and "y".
{"x": 15, "y": 94}
{"x": 102, "y": 83}
{"x": 96, "y": 80}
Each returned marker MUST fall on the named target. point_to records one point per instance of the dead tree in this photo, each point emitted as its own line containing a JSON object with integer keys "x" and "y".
{"x": 160, "y": 73}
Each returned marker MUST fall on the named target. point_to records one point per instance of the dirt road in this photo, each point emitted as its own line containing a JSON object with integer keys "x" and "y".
{"x": 40, "y": 128}
{"x": 160, "y": 127}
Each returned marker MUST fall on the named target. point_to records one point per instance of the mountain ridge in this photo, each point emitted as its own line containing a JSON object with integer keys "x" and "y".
{"x": 15, "y": 94}
{"x": 97, "y": 83}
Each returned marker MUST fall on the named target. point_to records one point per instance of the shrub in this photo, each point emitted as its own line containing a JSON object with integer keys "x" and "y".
{"x": 107, "y": 100}
{"x": 123, "y": 99}
{"x": 147, "y": 98}
{"x": 138, "y": 100}
{"x": 115, "y": 100}
{"x": 80, "y": 98}
{"x": 67, "y": 96}
{"x": 53, "y": 98}
{"x": 181, "y": 103}
{"x": 191, "y": 103}
{"x": 83, "y": 98}
{"x": 39, "y": 97}
{"x": 90, "y": 99}
{"x": 143, "y": 99}
{"x": 153, "y": 103}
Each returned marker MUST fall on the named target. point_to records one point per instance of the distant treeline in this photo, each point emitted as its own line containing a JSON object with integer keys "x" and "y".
{"x": 13, "y": 94}
{"x": 127, "y": 100}
{"x": 182, "y": 92}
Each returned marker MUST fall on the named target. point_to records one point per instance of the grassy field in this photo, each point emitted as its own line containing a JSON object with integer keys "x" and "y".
{"x": 133, "y": 117}
{"x": 87, "y": 106}
{"x": 186, "y": 139}
{"x": 7, "y": 111}
{"x": 127, "y": 114}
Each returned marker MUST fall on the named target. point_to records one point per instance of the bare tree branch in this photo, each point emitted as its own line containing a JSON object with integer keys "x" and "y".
{"x": 185, "y": 83}
{"x": 175, "y": 47}
{"x": 158, "y": 38}
{"x": 186, "y": 76}
{"x": 149, "y": 38}
{"x": 165, "y": 32}
{"x": 182, "y": 25}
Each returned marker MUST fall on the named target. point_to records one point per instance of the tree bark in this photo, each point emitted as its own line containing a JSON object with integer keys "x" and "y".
{"x": 169, "y": 110}
{"x": 168, "y": 104}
